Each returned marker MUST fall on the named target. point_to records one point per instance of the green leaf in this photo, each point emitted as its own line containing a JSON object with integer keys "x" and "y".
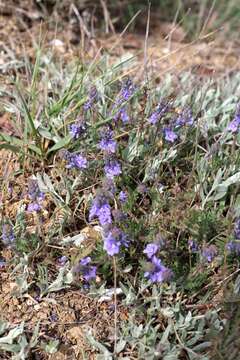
{"x": 60, "y": 144}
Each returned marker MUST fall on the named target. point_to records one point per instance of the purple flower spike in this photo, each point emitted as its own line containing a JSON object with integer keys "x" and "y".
{"x": 93, "y": 96}
{"x": 85, "y": 261}
{"x": 8, "y": 237}
{"x": 234, "y": 125}
{"x": 113, "y": 240}
{"x": 80, "y": 162}
{"x": 123, "y": 197}
{"x": 159, "y": 112}
{"x": 193, "y": 246}
{"x": 185, "y": 118}
{"x": 62, "y": 260}
{"x": 89, "y": 273}
{"x": 102, "y": 210}
{"x": 34, "y": 207}
{"x": 77, "y": 161}
{"x": 150, "y": 250}
{"x": 157, "y": 271}
{"x": 170, "y": 135}
{"x": 107, "y": 143}
{"x": 209, "y": 253}
{"x": 112, "y": 168}
{"x": 77, "y": 129}
{"x": 237, "y": 229}
{"x": 111, "y": 245}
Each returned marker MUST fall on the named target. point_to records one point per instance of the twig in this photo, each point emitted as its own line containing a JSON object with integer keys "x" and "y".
{"x": 146, "y": 40}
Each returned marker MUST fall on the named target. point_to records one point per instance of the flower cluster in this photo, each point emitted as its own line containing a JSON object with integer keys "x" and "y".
{"x": 193, "y": 246}
{"x": 101, "y": 209}
{"x": 156, "y": 271}
{"x": 233, "y": 247}
{"x": 113, "y": 240}
{"x": 112, "y": 167}
{"x": 107, "y": 143}
{"x": 237, "y": 229}
{"x": 234, "y": 125}
{"x": 92, "y": 99}
{"x": 184, "y": 118}
{"x": 126, "y": 92}
{"x": 8, "y": 237}
{"x": 85, "y": 268}
{"x": 161, "y": 110}
{"x": 169, "y": 135}
{"x": 75, "y": 160}
{"x": 35, "y": 195}
{"x": 77, "y": 129}
{"x": 209, "y": 253}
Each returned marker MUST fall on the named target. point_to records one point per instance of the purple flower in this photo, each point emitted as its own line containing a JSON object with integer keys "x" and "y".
{"x": 102, "y": 210}
{"x": 150, "y": 250}
{"x": 125, "y": 94}
{"x": 123, "y": 197}
{"x": 80, "y": 161}
{"x": 77, "y": 129}
{"x": 34, "y": 207}
{"x": 76, "y": 161}
{"x": 112, "y": 168}
{"x": 233, "y": 247}
{"x": 157, "y": 272}
{"x": 158, "y": 113}
{"x": 92, "y": 99}
{"x": 8, "y": 237}
{"x": 62, "y": 260}
{"x": 89, "y": 273}
{"x": 185, "y": 118}
{"x": 104, "y": 215}
{"x": 2, "y": 263}
{"x": 124, "y": 115}
{"x": 113, "y": 240}
{"x": 111, "y": 245}
{"x": 237, "y": 229}
{"x": 209, "y": 252}
{"x": 107, "y": 142}
{"x": 33, "y": 190}
{"x": 169, "y": 135}
{"x": 85, "y": 261}
{"x": 127, "y": 90}
{"x": 193, "y": 246}
{"x": 234, "y": 125}
{"x": 83, "y": 267}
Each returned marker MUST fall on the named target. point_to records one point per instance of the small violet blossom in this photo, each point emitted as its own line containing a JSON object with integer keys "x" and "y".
{"x": 237, "y": 229}
{"x": 102, "y": 210}
{"x": 107, "y": 143}
{"x": 157, "y": 272}
{"x": 169, "y": 135}
{"x": 234, "y": 125}
{"x": 233, "y": 247}
{"x": 159, "y": 112}
{"x": 77, "y": 129}
{"x": 34, "y": 207}
{"x": 209, "y": 253}
{"x": 77, "y": 161}
{"x": 185, "y": 118}
{"x": 193, "y": 246}
{"x": 113, "y": 240}
{"x": 151, "y": 250}
{"x": 8, "y": 237}
{"x": 112, "y": 168}
{"x": 92, "y": 99}
{"x": 122, "y": 197}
